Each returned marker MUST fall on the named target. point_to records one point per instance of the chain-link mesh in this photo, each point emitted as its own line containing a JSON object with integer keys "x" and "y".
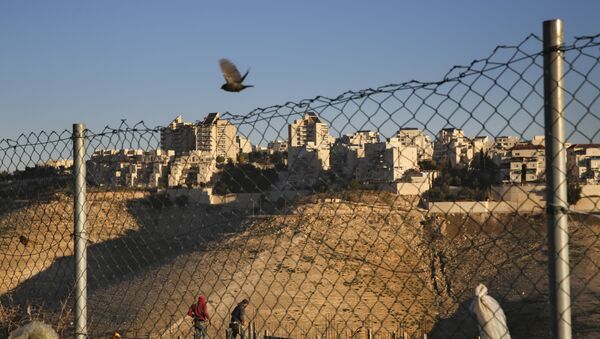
{"x": 377, "y": 212}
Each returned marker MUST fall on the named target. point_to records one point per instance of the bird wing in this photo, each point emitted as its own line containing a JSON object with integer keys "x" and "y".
{"x": 230, "y": 72}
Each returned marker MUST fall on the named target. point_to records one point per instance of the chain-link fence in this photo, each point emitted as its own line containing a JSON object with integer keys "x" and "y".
{"x": 373, "y": 214}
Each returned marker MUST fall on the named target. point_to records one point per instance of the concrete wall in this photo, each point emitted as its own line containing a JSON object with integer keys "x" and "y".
{"x": 458, "y": 207}
{"x": 241, "y": 200}
{"x": 517, "y": 199}
{"x": 590, "y": 199}
{"x": 520, "y": 193}
{"x": 590, "y": 191}
{"x": 408, "y": 188}
{"x": 587, "y": 204}
{"x": 466, "y": 207}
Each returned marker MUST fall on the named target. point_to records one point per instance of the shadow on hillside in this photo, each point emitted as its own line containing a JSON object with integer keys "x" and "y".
{"x": 164, "y": 233}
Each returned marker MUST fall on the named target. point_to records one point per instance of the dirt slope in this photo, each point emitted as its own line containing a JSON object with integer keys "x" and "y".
{"x": 321, "y": 267}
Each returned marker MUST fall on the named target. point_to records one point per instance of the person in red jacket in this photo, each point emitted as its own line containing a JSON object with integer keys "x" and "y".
{"x": 201, "y": 319}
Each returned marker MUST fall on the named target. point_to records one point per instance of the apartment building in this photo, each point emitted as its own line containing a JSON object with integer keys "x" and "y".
{"x": 504, "y": 142}
{"x": 217, "y": 137}
{"x": 277, "y": 146}
{"x": 192, "y": 169}
{"x": 384, "y": 162}
{"x": 129, "y": 167}
{"x": 213, "y": 135}
{"x": 347, "y": 151}
{"x": 481, "y": 144}
{"x": 453, "y": 146}
{"x": 306, "y": 164}
{"x": 500, "y": 152}
{"x": 178, "y": 136}
{"x": 527, "y": 163}
{"x": 309, "y": 129}
{"x": 583, "y": 162}
{"x": 244, "y": 145}
{"x": 309, "y": 146}
{"x": 414, "y": 137}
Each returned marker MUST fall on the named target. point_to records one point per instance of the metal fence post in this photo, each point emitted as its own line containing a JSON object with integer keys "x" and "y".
{"x": 556, "y": 181}
{"x": 80, "y": 218}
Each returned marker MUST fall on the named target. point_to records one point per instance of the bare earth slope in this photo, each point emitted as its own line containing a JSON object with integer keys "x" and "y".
{"x": 321, "y": 267}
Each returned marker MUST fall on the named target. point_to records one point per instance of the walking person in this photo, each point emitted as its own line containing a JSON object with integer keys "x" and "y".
{"x": 201, "y": 319}
{"x": 239, "y": 322}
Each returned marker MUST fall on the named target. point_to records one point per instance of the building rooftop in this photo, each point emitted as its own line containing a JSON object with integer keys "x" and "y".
{"x": 528, "y": 146}
{"x": 312, "y": 116}
{"x": 210, "y": 119}
{"x": 585, "y": 146}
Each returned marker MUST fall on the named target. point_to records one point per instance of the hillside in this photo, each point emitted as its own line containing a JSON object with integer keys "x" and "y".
{"x": 367, "y": 261}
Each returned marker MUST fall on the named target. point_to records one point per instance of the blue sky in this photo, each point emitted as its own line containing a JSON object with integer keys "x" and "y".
{"x": 99, "y": 62}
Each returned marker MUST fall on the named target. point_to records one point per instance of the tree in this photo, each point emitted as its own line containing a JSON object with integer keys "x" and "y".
{"x": 221, "y": 188}
{"x": 475, "y": 180}
{"x": 354, "y": 184}
{"x": 573, "y": 188}
{"x": 245, "y": 178}
{"x": 428, "y": 165}
{"x": 243, "y": 158}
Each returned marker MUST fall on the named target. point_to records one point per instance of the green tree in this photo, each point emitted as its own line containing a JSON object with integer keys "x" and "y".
{"x": 245, "y": 178}
{"x": 243, "y": 158}
{"x": 221, "y": 188}
{"x": 475, "y": 180}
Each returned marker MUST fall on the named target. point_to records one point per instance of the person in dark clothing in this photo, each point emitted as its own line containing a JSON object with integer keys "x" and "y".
{"x": 201, "y": 319}
{"x": 239, "y": 322}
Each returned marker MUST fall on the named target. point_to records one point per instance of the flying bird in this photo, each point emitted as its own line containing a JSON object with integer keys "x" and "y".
{"x": 233, "y": 78}
{"x": 489, "y": 314}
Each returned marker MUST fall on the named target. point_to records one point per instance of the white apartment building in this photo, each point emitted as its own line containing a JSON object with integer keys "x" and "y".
{"x": 309, "y": 129}
{"x": 179, "y": 136}
{"x": 192, "y": 169}
{"x": 583, "y": 162}
{"x": 217, "y": 137}
{"x": 309, "y": 146}
{"x": 414, "y": 137}
{"x": 277, "y": 146}
{"x": 347, "y": 151}
{"x": 501, "y": 154}
{"x": 58, "y": 164}
{"x": 504, "y": 142}
{"x": 384, "y": 162}
{"x": 306, "y": 164}
{"x": 244, "y": 145}
{"x": 453, "y": 146}
{"x": 481, "y": 144}
{"x": 129, "y": 167}
{"x": 213, "y": 135}
{"x": 527, "y": 163}
{"x": 538, "y": 140}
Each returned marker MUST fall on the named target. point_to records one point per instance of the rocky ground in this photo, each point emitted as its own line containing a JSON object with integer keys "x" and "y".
{"x": 368, "y": 261}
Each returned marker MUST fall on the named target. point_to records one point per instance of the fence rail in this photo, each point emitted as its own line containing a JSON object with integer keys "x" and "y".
{"x": 374, "y": 214}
